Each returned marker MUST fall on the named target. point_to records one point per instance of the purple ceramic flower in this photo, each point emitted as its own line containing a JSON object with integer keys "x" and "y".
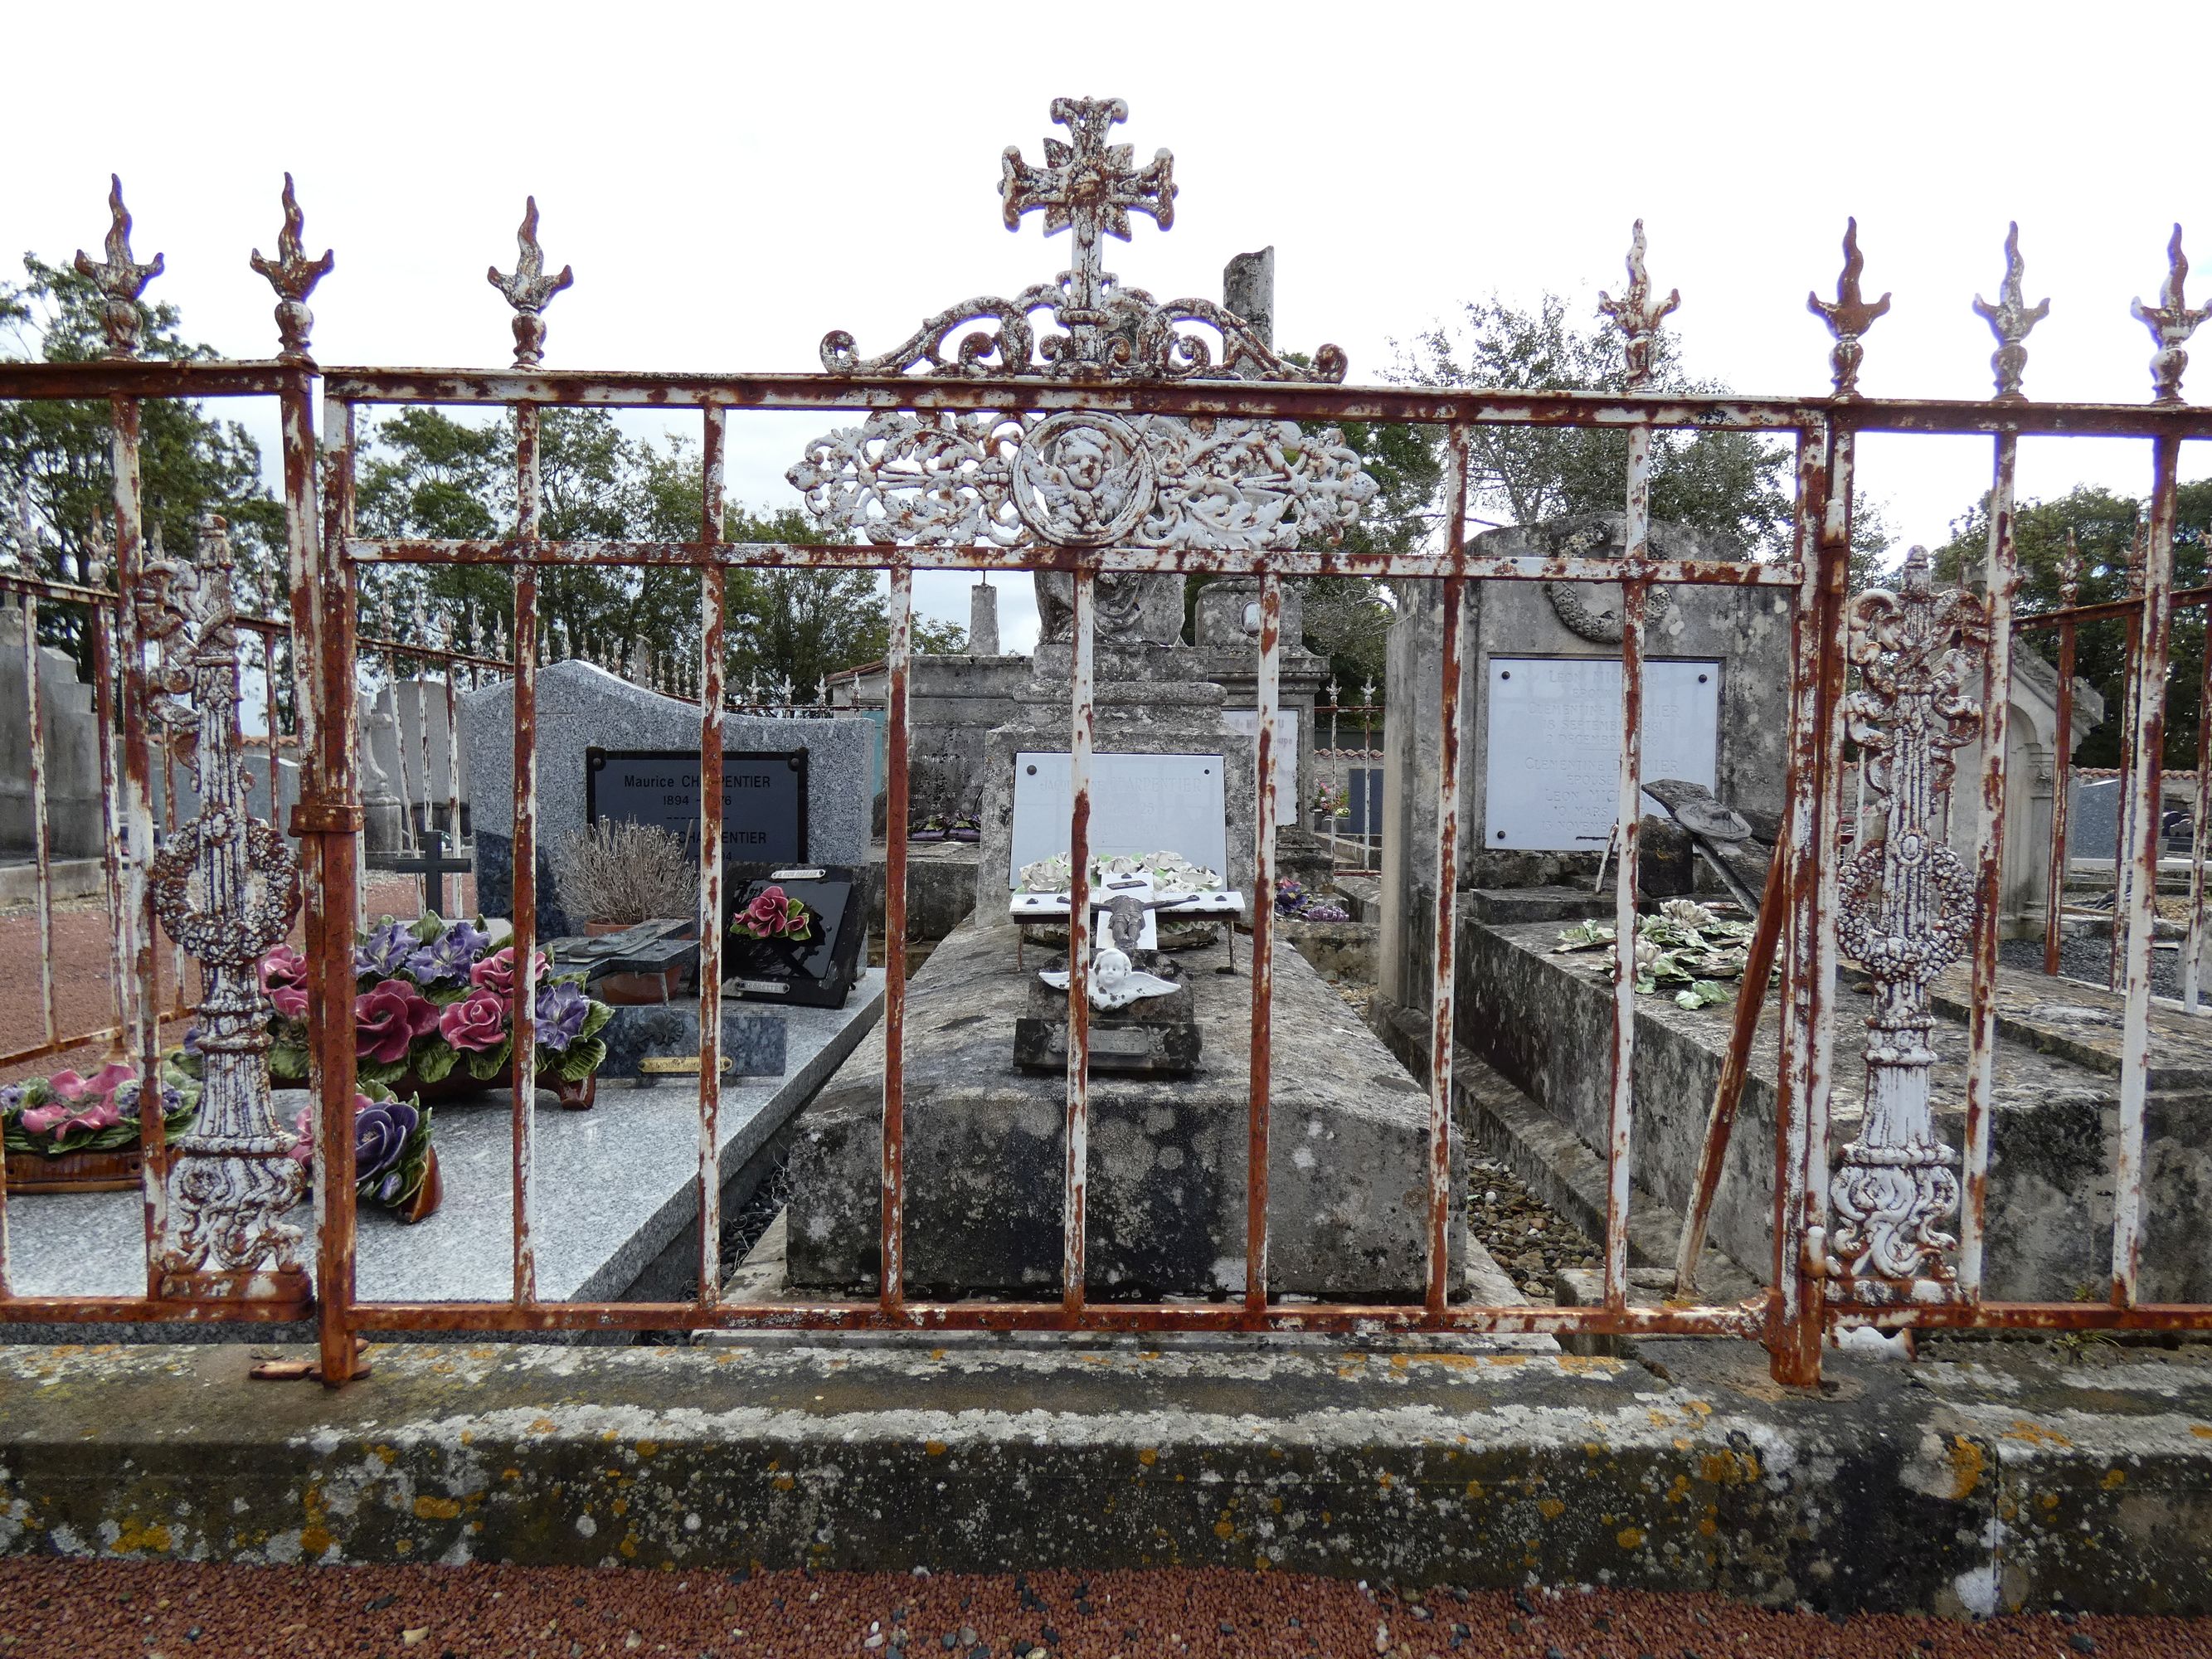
{"x": 380, "y": 1128}
{"x": 385, "y": 952}
{"x": 192, "y": 1039}
{"x": 447, "y": 958}
{"x": 11, "y": 1097}
{"x": 561, "y": 1011}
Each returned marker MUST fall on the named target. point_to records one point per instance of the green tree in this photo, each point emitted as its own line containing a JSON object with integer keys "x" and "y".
{"x": 1732, "y": 485}
{"x": 2104, "y": 526}
{"x": 57, "y": 459}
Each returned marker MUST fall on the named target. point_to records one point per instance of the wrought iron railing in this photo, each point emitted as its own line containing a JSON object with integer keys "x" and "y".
{"x": 1862, "y": 1241}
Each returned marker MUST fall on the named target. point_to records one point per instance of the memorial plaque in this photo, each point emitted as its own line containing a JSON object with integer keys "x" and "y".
{"x": 1552, "y": 777}
{"x": 1247, "y": 721}
{"x": 1138, "y": 804}
{"x": 816, "y": 972}
{"x": 763, "y": 798}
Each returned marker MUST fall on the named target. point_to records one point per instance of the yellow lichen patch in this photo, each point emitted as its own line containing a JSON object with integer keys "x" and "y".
{"x": 1680, "y": 1491}
{"x": 1728, "y": 1469}
{"x": 934, "y": 1448}
{"x": 1587, "y": 1364}
{"x": 2115, "y": 1479}
{"x": 137, "y": 1537}
{"x": 436, "y": 1509}
{"x": 2047, "y": 1501}
{"x": 621, "y": 1505}
{"x": 628, "y": 1546}
{"x": 468, "y": 1436}
{"x": 1630, "y": 1538}
{"x": 315, "y": 1538}
{"x": 783, "y": 1483}
{"x": 1386, "y": 1480}
{"x": 1148, "y": 1455}
{"x": 648, "y": 1448}
{"x": 1474, "y": 1489}
{"x": 405, "y": 1547}
{"x": 1551, "y": 1508}
{"x": 386, "y": 1455}
{"x": 541, "y": 1426}
{"x": 1708, "y": 1527}
{"x": 1967, "y": 1463}
{"x": 510, "y": 1474}
{"x": 1682, "y": 1443}
{"x": 1507, "y": 1361}
{"x": 609, "y": 1436}
{"x": 1399, "y": 1362}
{"x": 1702, "y": 1407}
{"x": 1224, "y": 1527}
{"x": 2202, "y": 1431}
{"x": 2036, "y": 1435}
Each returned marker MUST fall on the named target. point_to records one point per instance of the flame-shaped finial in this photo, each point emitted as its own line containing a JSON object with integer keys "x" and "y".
{"x": 121, "y": 279}
{"x": 294, "y": 276}
{"x": 2009, "y": 319}
{"x": 530, "y": 290}
{"x": 1848, "y": 315}
{"x": 2171, "y": 322}
{"x": 1636, "y": 315}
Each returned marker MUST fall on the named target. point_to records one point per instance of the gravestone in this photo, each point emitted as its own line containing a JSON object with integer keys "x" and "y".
{"x": 581, "y": 708}
{"x": 763, "y": 797}
{"x": 817, "y": 971}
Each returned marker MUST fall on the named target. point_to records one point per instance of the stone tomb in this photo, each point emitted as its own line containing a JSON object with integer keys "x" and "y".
{"x": 984, "y": 1149}
{"x": 581, "y": 708}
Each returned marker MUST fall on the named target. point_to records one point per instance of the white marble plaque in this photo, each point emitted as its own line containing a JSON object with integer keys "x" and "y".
{"x": 1552, "y": 779}
{"x": 1138, "y": 804}
{"x": 1247, "y": 721}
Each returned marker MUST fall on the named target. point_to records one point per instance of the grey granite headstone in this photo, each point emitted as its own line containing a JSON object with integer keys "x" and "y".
{"x": 581, "y": 707}
{"x": 752, "y": 1041}
{"x": 2093, "y": 829}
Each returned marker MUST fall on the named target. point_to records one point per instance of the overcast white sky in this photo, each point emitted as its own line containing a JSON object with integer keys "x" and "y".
{"x": 730, "y": 182}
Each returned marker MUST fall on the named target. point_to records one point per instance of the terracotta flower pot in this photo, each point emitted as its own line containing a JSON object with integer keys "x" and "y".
{"x": 631, "y": 990}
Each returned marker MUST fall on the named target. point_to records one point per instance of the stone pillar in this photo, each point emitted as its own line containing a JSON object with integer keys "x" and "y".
{"x": 1247, "y": 290}
{"x": 983, "y": 620}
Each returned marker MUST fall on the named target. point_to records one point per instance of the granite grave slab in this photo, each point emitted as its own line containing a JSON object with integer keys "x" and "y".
{"x": 615, "y": 1188}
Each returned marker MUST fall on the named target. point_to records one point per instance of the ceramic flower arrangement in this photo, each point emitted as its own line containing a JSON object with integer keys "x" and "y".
{"x": 1170, "y": 873}
{"x": 1685, "y": 948}
{"x": 1293, "y": 899}
{"x": 773, "y": 914}
{"x": 394, "y": 1165}
{"x": 66, "y": 1113}
{"x": 1332, "y": 801}
{"x": 433, "y": 1001}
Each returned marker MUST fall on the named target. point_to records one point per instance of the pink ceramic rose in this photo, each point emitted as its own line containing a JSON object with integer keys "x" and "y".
{"x": 495, "y": 973}
{"x": 284, "y": 977}
{"x": 387, "y": 1018}
{"x": 477, "y": 1021}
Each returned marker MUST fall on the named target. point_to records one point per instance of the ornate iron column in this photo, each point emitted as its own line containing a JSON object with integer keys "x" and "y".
{"x": 1907, "y": 911}
{"x": 226, "y": 887}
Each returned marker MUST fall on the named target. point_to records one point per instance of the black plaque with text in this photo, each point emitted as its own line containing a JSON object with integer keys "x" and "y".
{"x": 763, "y": 798}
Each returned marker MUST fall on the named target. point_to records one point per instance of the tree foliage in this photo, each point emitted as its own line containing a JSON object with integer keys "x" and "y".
{"x": 427, "y": 474}
{"x": 56, "y": 458}
{"x": 2103, "y": 524}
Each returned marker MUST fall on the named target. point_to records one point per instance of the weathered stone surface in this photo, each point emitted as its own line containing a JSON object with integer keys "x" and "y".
{"x": 984, "y": 1149}
{"x": 1545, "y": 1021}
{"x": 1951, "y": 1487}
{"x": 581, "y": 707}
{"x": 1512, "y": 904}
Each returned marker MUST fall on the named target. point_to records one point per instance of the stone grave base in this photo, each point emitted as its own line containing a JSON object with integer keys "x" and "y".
{"x": 2014, "y": 1481}
{"x": 984, "y": 1149}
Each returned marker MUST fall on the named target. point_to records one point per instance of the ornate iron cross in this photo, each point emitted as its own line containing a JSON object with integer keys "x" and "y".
{"x": 1089, "y": 186}
{"x": 1112, "y": 332}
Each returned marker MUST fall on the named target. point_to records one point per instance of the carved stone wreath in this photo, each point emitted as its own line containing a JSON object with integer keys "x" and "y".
{"x": 1570, "y": 602}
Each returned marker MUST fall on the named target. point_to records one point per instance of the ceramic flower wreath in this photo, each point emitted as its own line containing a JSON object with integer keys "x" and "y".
{"x": 66, "y": 1113}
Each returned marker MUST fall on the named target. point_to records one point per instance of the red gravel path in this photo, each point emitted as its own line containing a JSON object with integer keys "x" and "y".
{"x": 87, "y": 1609}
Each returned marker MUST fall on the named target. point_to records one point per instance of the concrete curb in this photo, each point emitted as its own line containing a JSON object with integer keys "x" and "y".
{"x": 1999, "y": 1482}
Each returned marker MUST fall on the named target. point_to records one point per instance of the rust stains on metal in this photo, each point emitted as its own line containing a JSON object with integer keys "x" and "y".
{"x": 1082, "y": 730}
{"x": 526, "y": 653}
{"x": 294, "y": 276}
{"x": 529, "y": 289}
{"x": 892, "y": 1245}
{"x": 121, "y": 279}
{"x": 1849, "y": 315}
{"x": 713, "y": 580}
{"x": 1268, "y": 696}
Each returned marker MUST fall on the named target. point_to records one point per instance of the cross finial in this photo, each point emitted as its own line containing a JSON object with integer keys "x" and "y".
{"x": 1088, "y": 186}
{"x": 1848, "y": 315}
{"x": 530, "y": 290}
{"x": 1634, "y": 313}
{"x": 121, "y": 279}
{"x": 2171, "y": 322}
{"x": 294, "y": 276}
{"x": 2009, "y": 319}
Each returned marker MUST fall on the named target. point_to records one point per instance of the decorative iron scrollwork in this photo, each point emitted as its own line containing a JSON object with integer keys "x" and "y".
{"x": 1089, "y": 187}
{"x": 1906, "y": 910}
{"x": 1081, "y": 479}
{"x": 226, "y": 887}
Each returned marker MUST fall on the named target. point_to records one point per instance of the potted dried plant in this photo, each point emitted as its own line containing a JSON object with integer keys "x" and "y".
{"x": 616, "y": 874}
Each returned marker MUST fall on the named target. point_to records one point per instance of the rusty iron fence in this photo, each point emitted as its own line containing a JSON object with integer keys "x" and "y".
{"x": 1348, "y": 760}
{"x": 1910, "y": 675}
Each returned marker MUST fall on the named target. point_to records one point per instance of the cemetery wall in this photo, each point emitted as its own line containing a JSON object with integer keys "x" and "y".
{"x": 74, "y": 817}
